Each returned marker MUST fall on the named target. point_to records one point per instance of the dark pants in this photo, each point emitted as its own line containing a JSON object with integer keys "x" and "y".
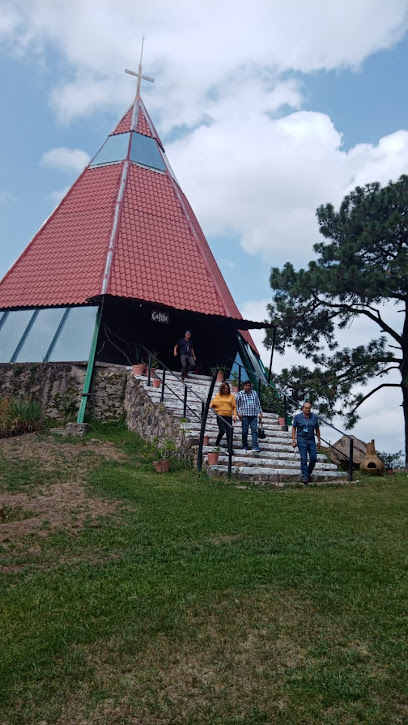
{"x": 305, "y": 448}
{"x": 222, "y": 420}
{"x": 250, "y": 421}
{"x": 187, "y": 364}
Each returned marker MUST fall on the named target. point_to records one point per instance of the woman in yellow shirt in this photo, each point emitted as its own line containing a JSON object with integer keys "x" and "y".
{"x": 225, "y": 405}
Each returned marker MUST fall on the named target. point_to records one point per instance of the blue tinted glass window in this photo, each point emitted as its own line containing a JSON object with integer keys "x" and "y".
{"x": 11, "y": 332}
{"x": 144, "y": 150}
{"x": 255, "y": 361}
{"x": 39, "y": 338}
{"x": 74, "y": 340}
{"x": 113, "y": 150}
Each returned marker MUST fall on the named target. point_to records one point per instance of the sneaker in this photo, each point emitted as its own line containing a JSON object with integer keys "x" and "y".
{"x": 257, "y": 450}
{"x": 305, "y": 481}
{"x": 244, "y": 448}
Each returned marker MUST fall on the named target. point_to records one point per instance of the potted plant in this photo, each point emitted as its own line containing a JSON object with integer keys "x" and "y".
{"x": 235, "y": 382}
{"x": 139, "y": 368}
{"x": 166, "y": 449}
{"x": 213, "y": 456}
{"x": 206, "y": 440}
{"x": 222, "y": 369}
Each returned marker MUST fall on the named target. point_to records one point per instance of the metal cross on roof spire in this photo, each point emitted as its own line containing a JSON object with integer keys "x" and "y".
{"x": 140, "y": 77}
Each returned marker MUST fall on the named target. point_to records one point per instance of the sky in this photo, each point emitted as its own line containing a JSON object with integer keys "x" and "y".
{"x": 266, "y": 109}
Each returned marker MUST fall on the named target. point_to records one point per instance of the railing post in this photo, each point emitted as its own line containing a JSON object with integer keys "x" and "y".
{"x": 203, "y": 422}
{"x": 259, "y": 387}
{"x": 285, "y": 412}
{"x": 230, "y": 454}
{"x": 149, "y": 363}
{"x": 163, "y": 384}
{"x": 239, "y": 376}
{"x": 202, "y": 409}
{"x": 185, "y": 402}
{"x": 351, "y": 459}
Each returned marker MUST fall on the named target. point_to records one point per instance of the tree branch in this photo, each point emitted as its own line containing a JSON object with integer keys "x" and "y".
{"x": 383, "y": 385}
{"x": 355, "y": 311}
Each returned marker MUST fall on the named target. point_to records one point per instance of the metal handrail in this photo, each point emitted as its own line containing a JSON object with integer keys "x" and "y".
{"x": 205, "y": 404}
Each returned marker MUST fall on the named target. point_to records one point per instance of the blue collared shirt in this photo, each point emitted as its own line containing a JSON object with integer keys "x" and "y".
{"x": 248, "y": 403}
{"x": 306, "y": 426}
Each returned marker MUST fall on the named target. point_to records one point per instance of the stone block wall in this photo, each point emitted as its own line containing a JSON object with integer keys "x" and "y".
{"x": 58, "y": 387}
{"x": 151, "y": 420}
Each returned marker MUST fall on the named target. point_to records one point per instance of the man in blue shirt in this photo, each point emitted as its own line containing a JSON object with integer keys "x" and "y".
{"x": 248, "y": 408}
{"x": 306, "y": 425}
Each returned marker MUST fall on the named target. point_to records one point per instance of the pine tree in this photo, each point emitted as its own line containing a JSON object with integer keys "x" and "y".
{"x": 362, "y": 264}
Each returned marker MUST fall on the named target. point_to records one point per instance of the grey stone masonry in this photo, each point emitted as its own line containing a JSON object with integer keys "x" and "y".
{"x": 277, "y": 464}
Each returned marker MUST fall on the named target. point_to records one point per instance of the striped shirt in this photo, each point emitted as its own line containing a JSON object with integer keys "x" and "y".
{"x": 248, "y": 403}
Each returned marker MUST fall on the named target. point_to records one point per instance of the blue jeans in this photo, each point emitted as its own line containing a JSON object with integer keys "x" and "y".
{"x": 252, "y": 422}
{"x": 307, "y": 447}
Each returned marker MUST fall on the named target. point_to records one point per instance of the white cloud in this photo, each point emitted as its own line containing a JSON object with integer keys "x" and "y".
{"x": 65, "y": 159}
{"x": 58, "y": 194}
{"x": 195, "y": 49}
{"x": 6, "y": 196}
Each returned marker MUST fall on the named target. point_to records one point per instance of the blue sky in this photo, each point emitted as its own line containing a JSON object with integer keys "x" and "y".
{"x": 264, "y": 115}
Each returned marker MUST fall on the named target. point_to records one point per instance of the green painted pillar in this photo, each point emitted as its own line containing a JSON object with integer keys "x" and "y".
{"x": 89, "y": 369}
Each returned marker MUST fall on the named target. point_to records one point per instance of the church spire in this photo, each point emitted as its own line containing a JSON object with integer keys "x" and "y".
{"x": 139, "y": 75}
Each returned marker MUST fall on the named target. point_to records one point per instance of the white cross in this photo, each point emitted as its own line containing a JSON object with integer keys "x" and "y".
{"x": 140, "y": 77}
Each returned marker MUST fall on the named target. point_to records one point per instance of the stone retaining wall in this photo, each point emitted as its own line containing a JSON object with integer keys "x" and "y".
{"x": 58, "y": 387}
{"x": 153, "y": 421}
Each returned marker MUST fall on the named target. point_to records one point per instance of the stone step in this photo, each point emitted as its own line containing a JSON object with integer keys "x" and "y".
{"x": 265, "y": 453}
{"x": 271, "y": 476}
{"x": 260, "y": 460}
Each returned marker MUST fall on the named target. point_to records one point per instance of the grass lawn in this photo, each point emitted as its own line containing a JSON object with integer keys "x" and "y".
{"x": 151, "y": 599}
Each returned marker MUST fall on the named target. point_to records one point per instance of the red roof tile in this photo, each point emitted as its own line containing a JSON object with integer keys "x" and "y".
{"x": 65, "y": 261}
{"x": 159, "y": 247}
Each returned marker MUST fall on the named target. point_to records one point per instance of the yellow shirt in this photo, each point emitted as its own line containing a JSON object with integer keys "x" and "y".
{"x": 225, "y": 404}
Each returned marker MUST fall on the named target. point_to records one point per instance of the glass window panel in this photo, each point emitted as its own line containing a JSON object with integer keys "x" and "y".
{"x": 40, "y": 336}
{"x": 74, "y": 340}
{"x": 113, "y": 150}
{"x": 12, "y": 331}
{"x": 144, "y": 150}
{"x": 2, "y": 313}
{"x": 254, "y": 360}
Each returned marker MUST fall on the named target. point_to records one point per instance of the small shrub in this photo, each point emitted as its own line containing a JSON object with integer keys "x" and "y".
{"x": 19, "y": 416}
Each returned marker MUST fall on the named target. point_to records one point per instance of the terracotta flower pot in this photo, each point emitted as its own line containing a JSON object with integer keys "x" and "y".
{"x": 161, "y": 466}
{"x": 156, "y": 383}
{"x": 206, "y": 440}
{"x": 235, "y": 389}
{"x": 281, "y": 421}
{"x": 220, "y": 376}
{"x": 213, "y": 458}
{"x": 138, "y": 369}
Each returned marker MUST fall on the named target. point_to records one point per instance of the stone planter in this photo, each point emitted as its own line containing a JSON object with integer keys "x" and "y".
{"x": 161, "y": 466}
{"x": 138, "y": 369}
{"x": 213, "y": 458}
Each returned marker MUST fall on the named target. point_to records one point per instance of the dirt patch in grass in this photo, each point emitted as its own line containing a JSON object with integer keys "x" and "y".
{"x": 58, "y": 498}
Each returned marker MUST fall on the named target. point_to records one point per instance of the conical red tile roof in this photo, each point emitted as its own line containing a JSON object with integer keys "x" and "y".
{"x": 123, "y": 229}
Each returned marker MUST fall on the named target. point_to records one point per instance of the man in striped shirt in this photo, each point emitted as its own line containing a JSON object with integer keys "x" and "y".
{"x": 249, "y": 409}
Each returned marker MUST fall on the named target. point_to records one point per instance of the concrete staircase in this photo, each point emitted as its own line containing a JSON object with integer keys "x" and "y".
{"x": 277, "y": 464}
